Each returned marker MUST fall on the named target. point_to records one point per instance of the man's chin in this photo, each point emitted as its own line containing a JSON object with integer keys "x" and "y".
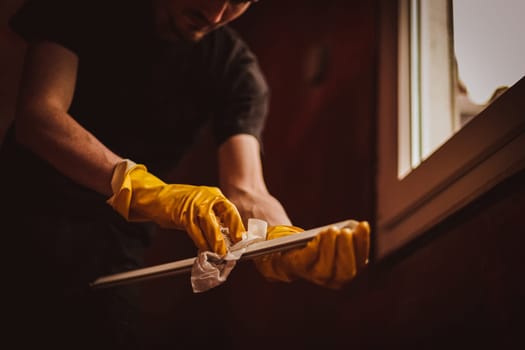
{"x": 194, "y": 36}
{"x": 190, "y": 36}
{"x": 185, "y": 34}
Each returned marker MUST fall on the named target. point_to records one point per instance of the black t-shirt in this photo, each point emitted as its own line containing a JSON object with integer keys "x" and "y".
{"x": 144, "y": 98}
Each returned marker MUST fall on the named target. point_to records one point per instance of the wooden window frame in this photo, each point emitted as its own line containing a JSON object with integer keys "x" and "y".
{"x": 487, "y": 150}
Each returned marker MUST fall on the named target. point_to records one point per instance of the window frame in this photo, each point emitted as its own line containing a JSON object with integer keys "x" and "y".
{"x": 487, "y": 150}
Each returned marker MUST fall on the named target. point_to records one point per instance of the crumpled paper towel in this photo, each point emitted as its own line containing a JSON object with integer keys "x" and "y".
{"x": 210, "y": 270}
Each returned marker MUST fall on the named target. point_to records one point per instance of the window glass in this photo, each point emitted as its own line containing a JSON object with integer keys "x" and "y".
{"x": 489, "y": 50}
{"x": 460, "y": 55}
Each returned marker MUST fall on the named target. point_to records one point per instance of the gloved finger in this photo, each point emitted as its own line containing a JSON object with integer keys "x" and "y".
{"x": 210, "y": 228}
{"x": 284, "y": 266}
{"x": 305, "y": 259}
{"x": 311, "y": 262}
{"x": 361, "y": 235}
{"x": 302, "y": 260}
{"x": 297, "y": 262}
{"x": 272, "y": 268}
{"x": 278, "y": 231}
{"x": 196, "y": 234}
{"x": 322, "y": 271}
{"x": 229, "y": 217}
{"x": 191, "y": 217}
{"x": 344, "y": 263}
{"x": 197, "y": 237}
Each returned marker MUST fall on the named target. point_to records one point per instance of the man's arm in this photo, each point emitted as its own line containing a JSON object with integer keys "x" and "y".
{"x": 242, "y": 181}
{"x": 44, "y": 126}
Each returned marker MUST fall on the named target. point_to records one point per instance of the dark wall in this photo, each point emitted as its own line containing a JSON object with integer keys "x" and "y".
{"x": 320, "y": 61}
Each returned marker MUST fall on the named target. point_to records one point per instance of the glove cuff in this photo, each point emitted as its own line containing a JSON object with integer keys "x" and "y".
{"x": 271, "y": 267}
{"x": 122, "y": 187}
{"x": 119, "y": 174}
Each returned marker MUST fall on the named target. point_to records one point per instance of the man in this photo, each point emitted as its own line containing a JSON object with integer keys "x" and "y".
{"x": 112, "y": 93}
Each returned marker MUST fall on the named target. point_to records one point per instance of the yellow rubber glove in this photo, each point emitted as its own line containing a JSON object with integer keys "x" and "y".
{"x": 199, "y": 210}
{"x": 330, "y": 259}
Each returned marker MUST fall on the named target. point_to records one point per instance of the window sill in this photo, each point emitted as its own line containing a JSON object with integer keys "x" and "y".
{"x": 486, "y": 151}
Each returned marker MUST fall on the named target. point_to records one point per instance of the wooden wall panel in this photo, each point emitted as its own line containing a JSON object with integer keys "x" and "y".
{"x": 319, "y": 144}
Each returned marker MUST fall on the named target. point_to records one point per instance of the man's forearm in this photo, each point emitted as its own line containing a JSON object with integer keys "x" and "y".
{"x": 241, "y": 179}
{"x": 57, "y": 138}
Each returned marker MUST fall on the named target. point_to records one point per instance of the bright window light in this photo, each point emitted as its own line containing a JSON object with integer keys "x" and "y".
{"x": 489, "y": 45}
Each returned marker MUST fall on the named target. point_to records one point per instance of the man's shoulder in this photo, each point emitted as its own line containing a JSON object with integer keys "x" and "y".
{"x": 229, "y": 33}
{"x": 225, "y": 38}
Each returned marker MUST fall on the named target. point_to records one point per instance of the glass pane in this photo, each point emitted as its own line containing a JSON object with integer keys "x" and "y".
{"x": 489, "y": 50}
{"x": 436, "y": 114}
{"x": 457, "y": 56}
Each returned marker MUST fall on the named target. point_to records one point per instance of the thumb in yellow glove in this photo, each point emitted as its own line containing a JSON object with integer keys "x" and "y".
{"x": 199, "y": 210}
{"x": 330, "y": 259}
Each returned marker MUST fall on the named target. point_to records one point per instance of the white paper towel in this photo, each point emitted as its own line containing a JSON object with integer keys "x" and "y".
{"x": 210, "y": 270}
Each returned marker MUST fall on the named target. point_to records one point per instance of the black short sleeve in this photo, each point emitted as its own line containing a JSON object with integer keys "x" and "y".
{"x": 52, "y": 20}
{"x": 242, "y": 91}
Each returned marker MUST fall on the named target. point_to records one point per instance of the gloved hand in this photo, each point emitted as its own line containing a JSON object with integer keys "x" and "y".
{"x": 199, "y": 210}
{"x": 330, "y": 259}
